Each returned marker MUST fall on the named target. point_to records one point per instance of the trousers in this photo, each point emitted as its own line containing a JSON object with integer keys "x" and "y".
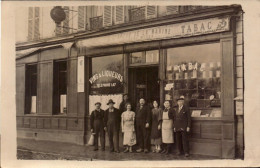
{"x": 182, "y": 141}
{"x": 99, "y": 132}
{"x": 142, "y": 135}
{"x": 113, "y": 136}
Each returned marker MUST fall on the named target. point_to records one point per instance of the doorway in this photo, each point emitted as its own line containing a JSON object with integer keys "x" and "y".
{"x": 144, "y": 83}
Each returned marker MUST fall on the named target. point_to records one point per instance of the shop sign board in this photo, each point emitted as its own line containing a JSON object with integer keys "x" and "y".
{"x": 178, "y": 30}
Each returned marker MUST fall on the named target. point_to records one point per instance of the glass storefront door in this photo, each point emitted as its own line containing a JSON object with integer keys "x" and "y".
{"x": 143, "y": 83}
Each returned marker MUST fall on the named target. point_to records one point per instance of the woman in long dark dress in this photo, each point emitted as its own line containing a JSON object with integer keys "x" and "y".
{"x": 156, "y": 139}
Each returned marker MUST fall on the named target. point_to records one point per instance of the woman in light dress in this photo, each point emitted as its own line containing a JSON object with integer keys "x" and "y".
{"x": 167, "y": 127}
{"x": 127, "y": 122}
{"x": 156, "y": 134}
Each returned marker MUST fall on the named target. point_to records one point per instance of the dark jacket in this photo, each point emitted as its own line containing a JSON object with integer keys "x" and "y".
{"x": 143, "y": 115}
{"x": 122, "y": 107}
{"x": 117, "y": 118}
{"x": 182, "y": 119}
{"x": 96, "y": 115}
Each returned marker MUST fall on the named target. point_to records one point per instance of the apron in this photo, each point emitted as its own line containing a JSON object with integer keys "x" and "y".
{"x": 167, "y": 129}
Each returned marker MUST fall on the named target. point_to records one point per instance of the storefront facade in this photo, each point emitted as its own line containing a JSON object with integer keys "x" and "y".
{"x": 198, "y": 55}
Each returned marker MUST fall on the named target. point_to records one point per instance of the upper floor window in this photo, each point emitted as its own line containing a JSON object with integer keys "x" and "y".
{"x": 33, "y": 23}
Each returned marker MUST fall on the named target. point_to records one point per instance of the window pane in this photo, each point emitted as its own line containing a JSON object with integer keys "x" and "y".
{"x": 107, "y": 75}
{"x": 152, "y": 56}
{"x": 137, "y": 57}
{"x": 195, "y": 73}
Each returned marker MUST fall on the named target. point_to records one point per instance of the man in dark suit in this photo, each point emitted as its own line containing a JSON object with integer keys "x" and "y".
{"x": 182, "y": 123}
{"x": 122, "y": 106}
{"x": 112, "y": 124}
{"x": 143, "y": 122}
{"x": 97, "y": 126}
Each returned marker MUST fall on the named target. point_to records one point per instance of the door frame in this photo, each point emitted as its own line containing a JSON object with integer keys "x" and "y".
{"x": 132, "y": 80}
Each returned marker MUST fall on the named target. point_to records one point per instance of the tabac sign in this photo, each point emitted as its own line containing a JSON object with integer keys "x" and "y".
{"x": 178, "y": 30}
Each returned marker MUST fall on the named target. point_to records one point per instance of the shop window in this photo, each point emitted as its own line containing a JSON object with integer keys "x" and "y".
{"x": 145, "y": 57}
{"x": 60, "y": 87}
{"x": 194, "y": 72}
{"x": 107, "y": 75}
{"x": 31, "y": 89}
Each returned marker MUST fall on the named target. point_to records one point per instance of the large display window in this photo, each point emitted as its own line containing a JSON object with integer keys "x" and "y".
{"x": 194, "y": 72}
{"x": 107, "y": 75}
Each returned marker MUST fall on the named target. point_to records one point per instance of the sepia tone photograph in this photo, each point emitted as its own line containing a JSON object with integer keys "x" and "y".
{"x": 125, "y": 83}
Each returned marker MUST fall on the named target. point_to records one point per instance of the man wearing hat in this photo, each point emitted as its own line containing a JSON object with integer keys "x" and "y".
{"x": 112, "y": 124}
{"x": 97, "y": 126}
{"x": 182, "y": 123}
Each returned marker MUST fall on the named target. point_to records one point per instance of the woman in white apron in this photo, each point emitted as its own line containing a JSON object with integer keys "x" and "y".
{"x": 167, "y": 127}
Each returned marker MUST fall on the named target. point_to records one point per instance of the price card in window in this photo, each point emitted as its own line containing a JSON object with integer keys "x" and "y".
{"x": 196, "y": 113}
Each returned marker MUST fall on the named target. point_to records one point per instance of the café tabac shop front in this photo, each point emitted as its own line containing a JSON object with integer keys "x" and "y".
{"x": 194, "y": 58}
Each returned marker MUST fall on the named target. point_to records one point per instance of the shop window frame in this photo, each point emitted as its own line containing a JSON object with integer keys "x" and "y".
{"x": 220, "y": 78}
{"x": 56, "y": 86}
{"x": 28, "y": 88}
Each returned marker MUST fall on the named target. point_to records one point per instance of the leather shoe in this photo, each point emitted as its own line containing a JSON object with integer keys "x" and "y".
{"x": 187, "y": 155}
{"x": 146, "y": 151}
{"x": 95, "y": 149}
{"x": 163, "y": 151}
{"x": 178, "y": 153}
{"x": 139, "y": 150}
{"x": 116, "y": 151}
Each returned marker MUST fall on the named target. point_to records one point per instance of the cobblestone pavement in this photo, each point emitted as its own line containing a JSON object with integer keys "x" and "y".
{"x": 45, "y": 150}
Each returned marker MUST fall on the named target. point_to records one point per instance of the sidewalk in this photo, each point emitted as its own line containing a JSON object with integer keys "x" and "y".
{"x": 46, "y": 150}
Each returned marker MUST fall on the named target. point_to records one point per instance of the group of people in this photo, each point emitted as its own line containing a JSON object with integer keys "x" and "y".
{"x": 143, "y": 126}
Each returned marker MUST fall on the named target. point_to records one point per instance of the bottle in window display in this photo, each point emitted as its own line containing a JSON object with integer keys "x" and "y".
{"x": 211, "y": 69}
{"x": 203, "y": 70}
{"x": 218, "y": 72}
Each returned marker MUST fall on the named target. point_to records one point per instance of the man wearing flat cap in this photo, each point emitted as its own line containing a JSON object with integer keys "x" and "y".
{"x": 97, "y": 126}
{"x": 112, "y": 125}
{"x": 182, "y": 123}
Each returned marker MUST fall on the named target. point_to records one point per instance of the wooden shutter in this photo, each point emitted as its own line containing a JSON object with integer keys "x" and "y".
{"x": 81, "y": 18}
{"x": 172, "y": 10}
{"x": 119, "y": 14}
{"x": 30, "y": 24}
{"x": 66, "y": 21}
{"x": 20, "y": 89}
{"x": 151, "y": 12}
{"x": 107, "y": 16}
{"x": 45, "y": 88}
{"x": 36, "y": 35}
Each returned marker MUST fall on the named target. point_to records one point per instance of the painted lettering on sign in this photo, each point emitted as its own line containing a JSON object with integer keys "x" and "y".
{"x": 178, "y": 30}
{"x": 106, "y": 73}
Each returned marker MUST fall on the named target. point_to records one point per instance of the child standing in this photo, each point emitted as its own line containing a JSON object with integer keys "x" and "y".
{"x": 156, "y": 139}
{"x": 127, "y": 122}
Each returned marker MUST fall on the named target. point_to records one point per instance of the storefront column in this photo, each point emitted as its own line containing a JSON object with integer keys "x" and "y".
{"x": 126, "y": 63}
{"x": 228, "y": 126}
{"x": 87, "y": 92}
{"x": 162, "y": 67}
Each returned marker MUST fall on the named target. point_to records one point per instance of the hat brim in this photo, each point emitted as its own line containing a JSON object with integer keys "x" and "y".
{"x": 98, "y": 103}
{"x": 110, "y": 103}
{"x": 180, "y": 99}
